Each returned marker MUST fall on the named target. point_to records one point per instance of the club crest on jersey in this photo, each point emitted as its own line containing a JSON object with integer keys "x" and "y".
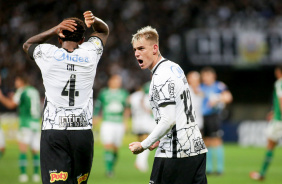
{"x": 73, "y": 121}
{"x": 61, "y": 55}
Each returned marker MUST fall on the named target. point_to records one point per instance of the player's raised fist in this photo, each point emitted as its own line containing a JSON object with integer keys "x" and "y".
{"x": 89, "y": 18}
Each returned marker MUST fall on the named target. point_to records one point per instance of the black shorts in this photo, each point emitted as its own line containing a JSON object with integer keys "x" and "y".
{"x": 212, "y": 126}
{"x": 188, "y": 170}
{"x": 66, "y": 156}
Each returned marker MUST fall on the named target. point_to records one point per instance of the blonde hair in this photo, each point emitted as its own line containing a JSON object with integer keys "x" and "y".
{"x": 148, "y": 33}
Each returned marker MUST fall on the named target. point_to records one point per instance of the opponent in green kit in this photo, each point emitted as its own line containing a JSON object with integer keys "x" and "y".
{"x": 274, "y": 131}
{"x": 27, "y": 100}
{"x": 115, "y": 114}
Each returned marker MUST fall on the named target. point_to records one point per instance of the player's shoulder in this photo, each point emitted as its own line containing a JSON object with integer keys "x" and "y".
{"x": 220, "y": 85}
{"x": 169, "y": 69}
{"x": 92, "y": 42}
{"x": 278, "y": 83}
{"x": 124, "y": 92}
{"x": 46, "y": 46}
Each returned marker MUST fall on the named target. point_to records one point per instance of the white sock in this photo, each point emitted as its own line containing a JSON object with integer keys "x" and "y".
{"x": 142, "y": 161}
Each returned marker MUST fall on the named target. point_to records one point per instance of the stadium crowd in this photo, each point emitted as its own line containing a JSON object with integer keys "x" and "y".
{"x": 171, "y": 18}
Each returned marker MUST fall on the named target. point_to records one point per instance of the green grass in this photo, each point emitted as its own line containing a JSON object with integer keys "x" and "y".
{"x": 239, "y": 162}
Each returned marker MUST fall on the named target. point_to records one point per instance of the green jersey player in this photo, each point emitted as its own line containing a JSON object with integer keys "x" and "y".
{"x": 274, "y": 130}
{"x": 27, "y": 100}
{"x": 112, "y": 101}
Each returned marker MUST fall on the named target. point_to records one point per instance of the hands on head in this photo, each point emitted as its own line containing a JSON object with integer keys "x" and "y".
{"x": 70, "y": 25}
{"x": 89, "y": 18}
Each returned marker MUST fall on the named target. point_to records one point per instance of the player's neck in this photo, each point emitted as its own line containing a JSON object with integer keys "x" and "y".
{"x": 156, "y": 60}
{"x": 69, "y": 45}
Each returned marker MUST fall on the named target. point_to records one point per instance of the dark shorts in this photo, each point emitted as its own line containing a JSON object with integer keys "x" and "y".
{"x": 66, "y": 156}
{"x": 189, "y": 170}
{"x": 212, "y": 126}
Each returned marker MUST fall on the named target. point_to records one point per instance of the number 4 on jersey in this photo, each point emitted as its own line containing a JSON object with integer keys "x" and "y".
{"x": 71, "y": 90}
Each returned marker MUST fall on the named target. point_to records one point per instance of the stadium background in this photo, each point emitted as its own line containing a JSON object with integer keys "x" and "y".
{"x": 241, "y": 39}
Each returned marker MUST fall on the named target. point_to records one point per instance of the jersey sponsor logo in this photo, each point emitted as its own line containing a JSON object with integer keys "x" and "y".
{"x": 63, "y": 176}
{"x": 199, "y": 144}
{"x": 171, "y": 89}
{"x": 72, "y": 121}
{"x": 155, "y": 94}
{"x": 60, "y": 55}
{"x": 82, "y": 178}
{"x": 177, "y": 71}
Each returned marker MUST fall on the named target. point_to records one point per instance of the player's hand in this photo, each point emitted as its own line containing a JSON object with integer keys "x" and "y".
{"x": 89, "y": 18}
{"x": 68, "y": 25}
{"x": 136, "y": 148}
{"x": 154, "y": 146}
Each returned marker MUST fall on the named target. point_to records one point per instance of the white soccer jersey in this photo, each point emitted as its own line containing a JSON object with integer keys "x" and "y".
{"x": 68, "y": 78}
{"x": 142, "y": 120}
{"x": 197, "y": 104}
{"x": 170, "y": 87}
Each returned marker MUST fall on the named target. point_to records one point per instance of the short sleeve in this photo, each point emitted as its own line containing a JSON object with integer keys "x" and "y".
{"x": 163, "y": 91}
{"x": 278, "y": 88}
{"x": 17, "y": 96}
{"x": 221, "y": 86}
{"x": 93, "y": 44}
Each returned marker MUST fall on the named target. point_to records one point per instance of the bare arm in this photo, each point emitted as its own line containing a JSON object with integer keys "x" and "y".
{"x": 7, "y": 102}
{"x": 43, "y": 37}
{"x": 100, "y": 28}
{"x": 226, "y": 97}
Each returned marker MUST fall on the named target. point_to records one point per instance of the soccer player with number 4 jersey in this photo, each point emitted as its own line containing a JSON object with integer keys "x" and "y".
{"x": 181, "y": 154}
{"x": 68, "y": 73}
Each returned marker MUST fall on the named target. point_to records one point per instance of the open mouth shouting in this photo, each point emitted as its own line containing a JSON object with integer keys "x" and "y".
{"x": 140, "y": 61}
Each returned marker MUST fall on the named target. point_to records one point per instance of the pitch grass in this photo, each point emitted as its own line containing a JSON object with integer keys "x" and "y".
{"x": 239, "y": 162}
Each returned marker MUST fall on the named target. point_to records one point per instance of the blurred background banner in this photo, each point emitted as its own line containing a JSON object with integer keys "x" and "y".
{"x": 238, "y": 48}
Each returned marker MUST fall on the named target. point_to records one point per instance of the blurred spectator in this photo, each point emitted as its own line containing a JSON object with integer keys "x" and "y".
{"x": 123, "y": 17}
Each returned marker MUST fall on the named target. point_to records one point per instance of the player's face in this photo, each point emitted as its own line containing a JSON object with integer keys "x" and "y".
{"x": 193, "y": 79}
{"x": 18, "y": 82}
{"x": 208, "y": 78}
{"x": 115, "y": 82}
{"x": 144, "y": 53}
{"x": 278, "y": 73}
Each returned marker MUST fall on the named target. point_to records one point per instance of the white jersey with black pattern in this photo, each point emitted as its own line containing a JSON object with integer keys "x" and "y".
{"x": 68, "y": 78}
{"x": 170, "y": 87}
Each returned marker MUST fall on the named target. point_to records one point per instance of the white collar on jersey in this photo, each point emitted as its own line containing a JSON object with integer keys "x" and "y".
{"x": 157, "y": 65}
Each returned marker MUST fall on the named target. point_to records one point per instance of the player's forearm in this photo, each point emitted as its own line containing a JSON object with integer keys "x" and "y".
{"x": 100, "y": 26}
{"x": 40, "y": 38}
{"x": 164, "y": 125}
{"x": 8, "y": 103}
{"x": 226, "y": 97}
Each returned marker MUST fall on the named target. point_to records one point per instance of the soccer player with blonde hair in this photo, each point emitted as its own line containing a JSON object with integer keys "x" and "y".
{"x": 181, "y": 153}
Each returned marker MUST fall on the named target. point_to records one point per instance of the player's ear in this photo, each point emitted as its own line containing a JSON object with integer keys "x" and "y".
{"x": 155, "y": 49}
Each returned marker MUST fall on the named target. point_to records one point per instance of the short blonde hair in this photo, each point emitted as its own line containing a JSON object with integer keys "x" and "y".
{"x": 148, "y": 33}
